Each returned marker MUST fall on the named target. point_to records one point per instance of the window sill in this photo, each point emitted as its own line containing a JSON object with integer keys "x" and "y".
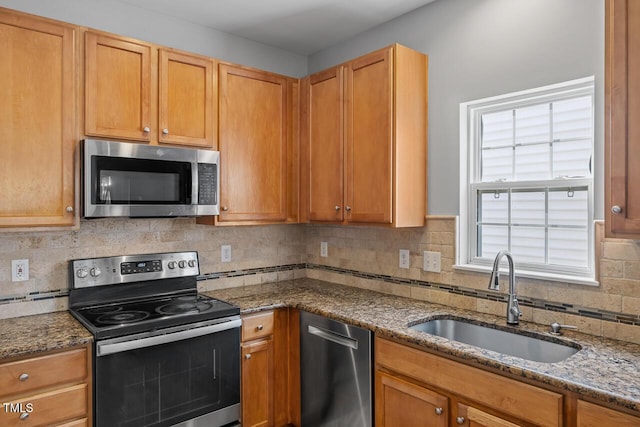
{"x": 564, "y": 278}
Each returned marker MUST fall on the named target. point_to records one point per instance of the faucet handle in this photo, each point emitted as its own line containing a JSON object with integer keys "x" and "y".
{"x": 556, "y": 328}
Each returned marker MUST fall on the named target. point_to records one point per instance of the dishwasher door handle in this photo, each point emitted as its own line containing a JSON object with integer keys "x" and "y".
{"x": 333, "y": 337}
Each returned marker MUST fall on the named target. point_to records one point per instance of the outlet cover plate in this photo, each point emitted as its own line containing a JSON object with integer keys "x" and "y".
{"x": 324, "y": 249}
{"x": 432, "y": 261}
{"x": 225, "y": 253}
{"x": 403, "y": 258}
{"x": 19, "y": 270}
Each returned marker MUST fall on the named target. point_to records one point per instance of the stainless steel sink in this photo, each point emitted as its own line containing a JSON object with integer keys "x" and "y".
{"x": 488, "y": 338}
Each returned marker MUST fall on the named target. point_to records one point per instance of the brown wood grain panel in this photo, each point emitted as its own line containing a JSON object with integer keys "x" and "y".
{"x": 326, "y": 145}
{"x": 253, "y": 145}
{"x": 257, "y": 325}
{"x": 186, "y": 99}
{"x": 257, "y": 389}
{"x": 118, "y": 87}
{"x": 592, "y": 415}
{"x": 38, "y": 110}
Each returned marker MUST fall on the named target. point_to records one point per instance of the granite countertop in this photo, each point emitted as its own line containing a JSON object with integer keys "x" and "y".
{"x": 23, "y": 336}
{"x": 603, "y": 369}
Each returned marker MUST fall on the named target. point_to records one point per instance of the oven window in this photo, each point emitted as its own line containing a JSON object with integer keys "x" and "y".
{"x": 123, "y": 181}
{"x": 169, "y": 383}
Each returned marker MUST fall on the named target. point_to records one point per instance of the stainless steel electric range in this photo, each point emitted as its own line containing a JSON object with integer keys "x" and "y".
{"x": 164, "y": 355}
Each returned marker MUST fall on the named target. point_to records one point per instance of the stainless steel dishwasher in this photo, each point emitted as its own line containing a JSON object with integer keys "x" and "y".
{"x": 335, "y": 373}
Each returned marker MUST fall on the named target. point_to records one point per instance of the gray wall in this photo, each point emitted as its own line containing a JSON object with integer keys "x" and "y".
{"x": 121, "y": 18}
{"x": 482, "y": 48}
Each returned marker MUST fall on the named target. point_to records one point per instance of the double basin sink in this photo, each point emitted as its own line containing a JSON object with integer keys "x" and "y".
{"x": 488, "y": 337}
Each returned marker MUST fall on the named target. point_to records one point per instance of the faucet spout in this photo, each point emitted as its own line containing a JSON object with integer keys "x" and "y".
{"x": 513, "y": 308}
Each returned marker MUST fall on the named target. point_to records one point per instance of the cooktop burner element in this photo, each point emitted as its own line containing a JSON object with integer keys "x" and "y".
{"x": 120, "y": 317}
{"x": 118, "y": 296}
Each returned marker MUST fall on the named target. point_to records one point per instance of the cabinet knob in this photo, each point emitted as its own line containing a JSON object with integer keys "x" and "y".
{"x": 460, "y": 420}
{"x": 146, "y": 129}
{"x": 259, "y": 328}
{"x": 165, "y": 131}
{"x": 337, "y": 208}
{"x": 347, "y": 208}
{"x": 24, "y": 416}
{"x": 23, "y": 377}
{"x": 616, "y": 209}
{"x": 225, "y": 208}
{"x": 69, "y": 209}
{"x": 247, "y": 356}
{"x": 439, "y": 411}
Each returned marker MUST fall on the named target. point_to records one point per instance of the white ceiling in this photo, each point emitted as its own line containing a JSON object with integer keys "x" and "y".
{"x": 300, "y": 26}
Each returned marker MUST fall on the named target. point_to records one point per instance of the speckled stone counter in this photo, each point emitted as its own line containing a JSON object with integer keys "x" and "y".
{"x": 603, "y": 369}
{"x": 23, "y": 336}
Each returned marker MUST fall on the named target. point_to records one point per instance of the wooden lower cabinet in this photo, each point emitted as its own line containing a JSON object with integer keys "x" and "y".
{"x": 269, "y": 369}
{"x": 47, "y": 390}
{"x": 257, "y": 390}
{"x": 403, "y": 403}
{"x": 592, "y": 415}
{"x": 413, "y": 385}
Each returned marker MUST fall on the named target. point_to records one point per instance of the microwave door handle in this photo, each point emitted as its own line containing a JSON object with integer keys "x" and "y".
{"x": 105, "y": 189}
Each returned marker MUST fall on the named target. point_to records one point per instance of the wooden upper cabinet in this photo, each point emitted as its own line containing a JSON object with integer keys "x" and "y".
{"x": 622, "y": 128}
{"x": 37, "y": 105}
{"x": 369, "y": 139}
{"x": 186, "y": 104}
{"x": 118, "y": 87}
{"x": 325, "y": 147}
{"x": 366, "y": 140}
{"x": 253, "y": 136}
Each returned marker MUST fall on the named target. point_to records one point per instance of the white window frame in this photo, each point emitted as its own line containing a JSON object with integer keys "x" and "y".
{"x": 470, "y": 113}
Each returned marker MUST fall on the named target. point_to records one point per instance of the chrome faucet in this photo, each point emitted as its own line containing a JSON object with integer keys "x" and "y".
{"x": 513, "y": 309}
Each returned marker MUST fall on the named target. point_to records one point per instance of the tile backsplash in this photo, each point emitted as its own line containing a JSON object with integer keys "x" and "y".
{"x": 366, "y": 257}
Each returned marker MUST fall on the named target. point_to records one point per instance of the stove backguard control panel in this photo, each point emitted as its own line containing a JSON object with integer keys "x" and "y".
{"x": 132, "y": 268}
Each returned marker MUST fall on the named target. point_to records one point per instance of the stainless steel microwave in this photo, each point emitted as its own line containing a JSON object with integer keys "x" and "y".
{"x": 122, "y": 179}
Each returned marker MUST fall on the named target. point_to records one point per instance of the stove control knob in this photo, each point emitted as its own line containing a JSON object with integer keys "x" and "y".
{"x": 192, "y": 263}
{"x": 182, "y": 264}
{"x": 171, "y": 265}
{"x": 95, "y": 271}
{"x": 82, "y": 273}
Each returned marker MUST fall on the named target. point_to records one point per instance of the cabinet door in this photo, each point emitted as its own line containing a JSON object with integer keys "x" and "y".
{"x": 257, "y": 383}
{"x": 118, "y": 82}
{"x": 186, "y": 99}
{"x": 591, "y": 415}
{"x": 253, "y": 145}
{"x": 401, "y": 403}
{"x": 468, "y": 416}
{"x": 325, "y": 145}
{"x": 37, "y": 106}
{"x": 369, "y": 138}
{"x": 622, "y": 108}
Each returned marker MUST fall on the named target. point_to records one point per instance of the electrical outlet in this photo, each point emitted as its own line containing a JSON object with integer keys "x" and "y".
{"x": 225, "y": 253}
{"x": 431, "y": 261}
{"x": 404, "y": 258}
{"x": 19, "y": 270}
{"x": 324, "y": 249}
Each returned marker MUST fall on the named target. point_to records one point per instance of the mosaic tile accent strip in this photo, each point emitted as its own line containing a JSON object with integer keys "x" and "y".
{"x": 609, "y": 316}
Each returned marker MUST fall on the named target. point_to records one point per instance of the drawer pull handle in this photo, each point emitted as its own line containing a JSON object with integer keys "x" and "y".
{"x": 23, "y": 377}
{"x": 247, "y": 356}
{"x": 460, "y": 420}
{"x": 259, "y": 328}
{"x": 24, "y": 416}
{"x": 439, "y": 411}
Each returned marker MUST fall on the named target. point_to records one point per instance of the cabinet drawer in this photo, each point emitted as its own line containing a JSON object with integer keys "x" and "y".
{"x": 591, "y": 415}
{"x": 77, "y": 423}
{"x": 44, "y": 371}
{"x": 47, "y": 408}
{"x": 257, "y": 326}
{"x": 491, "y": 390}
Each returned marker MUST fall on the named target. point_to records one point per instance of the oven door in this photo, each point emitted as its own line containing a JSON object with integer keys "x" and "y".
{"x": 187, "y": 377}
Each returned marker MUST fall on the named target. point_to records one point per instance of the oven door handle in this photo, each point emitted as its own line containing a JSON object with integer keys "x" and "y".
{"x": 105, "y": 348}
